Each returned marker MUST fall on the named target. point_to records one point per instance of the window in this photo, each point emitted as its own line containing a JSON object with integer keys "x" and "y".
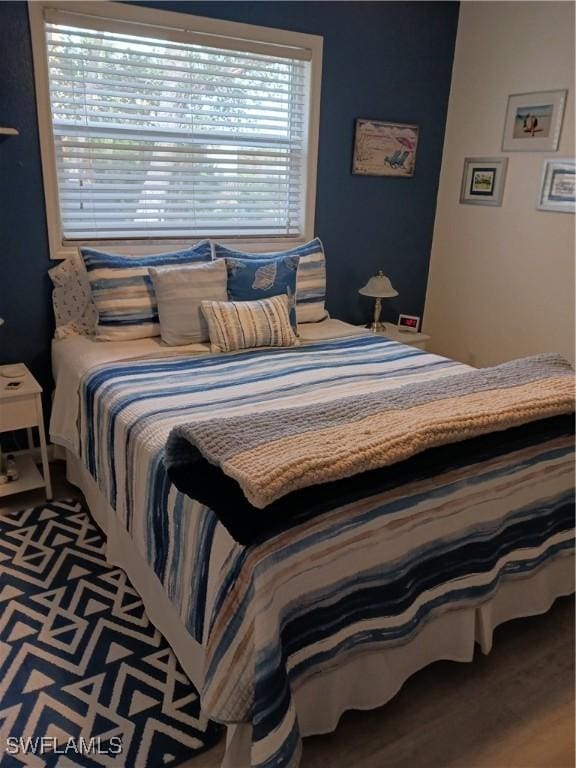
{"x": 158, "y": 126}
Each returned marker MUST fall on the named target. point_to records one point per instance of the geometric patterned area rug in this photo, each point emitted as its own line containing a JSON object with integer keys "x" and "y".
{"x": 85, "y": 678}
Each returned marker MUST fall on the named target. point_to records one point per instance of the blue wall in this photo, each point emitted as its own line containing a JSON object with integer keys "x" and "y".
{"x": 389, "y": 61}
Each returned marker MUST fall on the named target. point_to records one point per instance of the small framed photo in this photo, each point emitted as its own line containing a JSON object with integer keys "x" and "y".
{"x": 483, "y": 180}
{"x": 558, "y": 186}
{"x": 534, "y": 121}
{"x": 409, "y": 323}
{"x": 384, "y": 149}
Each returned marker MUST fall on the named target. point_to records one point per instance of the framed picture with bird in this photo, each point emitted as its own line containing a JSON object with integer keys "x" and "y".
{"x": 534, "y": 121}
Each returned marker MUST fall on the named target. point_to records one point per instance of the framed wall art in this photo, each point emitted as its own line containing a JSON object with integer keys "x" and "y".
{"x": 558, "y": 186}
{"x": 534, "y": 121}
{"x": 483, "y": 180}
{"x": 384, "y": 149}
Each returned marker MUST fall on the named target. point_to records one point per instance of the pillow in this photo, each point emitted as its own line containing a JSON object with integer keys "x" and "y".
{"x": 244, "y": 324}
{"x": 122, "y": 290}
{"x": 179, "y": 291}
{"x": 251, "y": 279}
{"x": 74, "y": 310}
{"x": 310, "y": 282}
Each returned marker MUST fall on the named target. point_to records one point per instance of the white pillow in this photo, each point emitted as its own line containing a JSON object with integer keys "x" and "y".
{"x": 179, "y": 292}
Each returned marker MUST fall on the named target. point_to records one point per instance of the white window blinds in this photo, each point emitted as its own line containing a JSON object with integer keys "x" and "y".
{"x": 175, "y": 138}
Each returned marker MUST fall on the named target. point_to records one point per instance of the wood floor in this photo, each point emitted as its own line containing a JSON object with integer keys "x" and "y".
{"x": 511, "y": 709}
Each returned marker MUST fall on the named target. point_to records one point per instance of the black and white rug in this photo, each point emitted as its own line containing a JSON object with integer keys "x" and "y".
{"x": 85, "y": 679}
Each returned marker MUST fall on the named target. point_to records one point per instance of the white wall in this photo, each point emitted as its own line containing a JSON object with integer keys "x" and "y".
{"x": 501, "y": 281}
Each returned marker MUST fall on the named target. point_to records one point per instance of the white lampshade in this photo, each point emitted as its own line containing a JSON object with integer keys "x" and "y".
{"x": 379, "y": 286}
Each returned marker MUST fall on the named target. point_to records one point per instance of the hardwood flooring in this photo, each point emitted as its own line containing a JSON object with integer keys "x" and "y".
{"x": 511, "y": 709}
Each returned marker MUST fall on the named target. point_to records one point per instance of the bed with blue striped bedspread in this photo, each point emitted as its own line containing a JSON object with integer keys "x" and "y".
{"x": 363, "y": 576}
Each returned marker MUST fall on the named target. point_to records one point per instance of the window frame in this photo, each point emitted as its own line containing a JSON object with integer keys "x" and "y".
{"x": 168, "y": 20}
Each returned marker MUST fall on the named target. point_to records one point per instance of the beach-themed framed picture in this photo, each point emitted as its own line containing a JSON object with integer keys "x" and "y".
{"x": 483, "y": 180}
{"x": 534, "y": 121}
{"x": 384, "y": 149}
{"x": 558, "y": 186}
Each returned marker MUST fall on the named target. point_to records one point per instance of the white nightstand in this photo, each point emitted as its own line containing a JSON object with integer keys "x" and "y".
{"x": 21, "y": 408}
{"x": 392, "y": 331}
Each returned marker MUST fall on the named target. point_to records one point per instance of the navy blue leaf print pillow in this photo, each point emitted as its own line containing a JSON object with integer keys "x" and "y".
{"x": 253, "y": 278}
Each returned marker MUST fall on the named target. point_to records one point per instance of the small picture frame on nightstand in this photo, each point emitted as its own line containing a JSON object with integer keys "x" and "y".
{"x": 410, "y": 323}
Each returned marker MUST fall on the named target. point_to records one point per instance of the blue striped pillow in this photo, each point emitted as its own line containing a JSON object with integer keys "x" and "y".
{"x": 310, "y": 280}
{"x": 123, "y": 292}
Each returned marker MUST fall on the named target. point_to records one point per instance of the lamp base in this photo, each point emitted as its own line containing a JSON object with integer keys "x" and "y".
{"x": 376, "y": 327}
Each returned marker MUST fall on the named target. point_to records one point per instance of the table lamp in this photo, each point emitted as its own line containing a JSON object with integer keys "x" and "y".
{"x": 378, "y": 287}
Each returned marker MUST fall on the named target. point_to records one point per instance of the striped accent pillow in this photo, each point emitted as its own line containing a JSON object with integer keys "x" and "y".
{"x": 123, "y": 292}
{"x": 310, "y": 280}
{"x": 236, "y": 325}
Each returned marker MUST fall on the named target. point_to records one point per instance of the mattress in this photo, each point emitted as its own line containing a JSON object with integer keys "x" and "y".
{"x": 275, "y": 618}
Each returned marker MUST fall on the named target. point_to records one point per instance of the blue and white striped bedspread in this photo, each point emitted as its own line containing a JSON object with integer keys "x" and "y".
{"x": 362, "y": 576}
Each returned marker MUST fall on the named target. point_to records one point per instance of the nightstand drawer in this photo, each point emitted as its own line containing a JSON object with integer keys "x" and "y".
{"x": 18, "y": 413}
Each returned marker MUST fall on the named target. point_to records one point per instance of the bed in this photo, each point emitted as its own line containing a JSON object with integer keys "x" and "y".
{"x": 267, "y": 631}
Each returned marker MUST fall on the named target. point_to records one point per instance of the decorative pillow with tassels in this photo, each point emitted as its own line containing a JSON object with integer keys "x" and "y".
{"x": 234, "y": 325}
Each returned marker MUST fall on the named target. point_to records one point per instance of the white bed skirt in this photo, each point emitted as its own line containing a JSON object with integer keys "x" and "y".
{"x": 367, "y": 680}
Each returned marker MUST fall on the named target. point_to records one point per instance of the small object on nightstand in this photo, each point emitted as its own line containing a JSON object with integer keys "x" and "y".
{"x": 11, "y": 468}
{"x": 378, "y": 287}
{"x": 17, "y": 371}
{"x": 409, "y": 323}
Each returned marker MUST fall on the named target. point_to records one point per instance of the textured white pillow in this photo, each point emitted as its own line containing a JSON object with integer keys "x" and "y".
{"x": 74, "y": 310}
{"x": 179, "y": 293}
{"x": 245, "y": 324}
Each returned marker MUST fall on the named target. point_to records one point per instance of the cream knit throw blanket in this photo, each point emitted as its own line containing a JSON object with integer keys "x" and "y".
{"x": 273, "y": 453}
